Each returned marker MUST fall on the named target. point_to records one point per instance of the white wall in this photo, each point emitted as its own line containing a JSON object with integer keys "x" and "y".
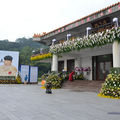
{"x": 87, "y": 62}
{"x": 77, "y": 62}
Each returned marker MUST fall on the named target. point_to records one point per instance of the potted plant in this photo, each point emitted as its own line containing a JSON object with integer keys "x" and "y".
{"x": 78, "y": 70}
{"x": 86, "y": 70}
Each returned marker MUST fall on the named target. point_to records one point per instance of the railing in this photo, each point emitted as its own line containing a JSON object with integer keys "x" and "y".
{"x": 43, "y": 51}
{"x": 92, "y": 31}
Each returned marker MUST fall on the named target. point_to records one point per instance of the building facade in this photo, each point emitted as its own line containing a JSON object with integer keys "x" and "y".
{"x": 92, "y": 41}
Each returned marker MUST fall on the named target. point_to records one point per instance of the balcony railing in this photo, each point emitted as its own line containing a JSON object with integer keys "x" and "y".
{"x": 43, "y": 51}
{"x": 92, "y": 31}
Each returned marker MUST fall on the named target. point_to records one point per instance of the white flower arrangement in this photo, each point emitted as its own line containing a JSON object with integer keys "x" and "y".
{"x": 93, "y": 40}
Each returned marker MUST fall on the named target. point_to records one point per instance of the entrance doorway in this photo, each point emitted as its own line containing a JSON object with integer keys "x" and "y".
{"x": 101, "y": 66}
{"x": 103, "y": 69}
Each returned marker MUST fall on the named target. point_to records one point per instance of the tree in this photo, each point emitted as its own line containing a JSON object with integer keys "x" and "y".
{"x": 25, "y": 47}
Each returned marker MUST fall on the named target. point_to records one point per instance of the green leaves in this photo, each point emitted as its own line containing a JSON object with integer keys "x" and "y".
{"x": 25, "y": 47}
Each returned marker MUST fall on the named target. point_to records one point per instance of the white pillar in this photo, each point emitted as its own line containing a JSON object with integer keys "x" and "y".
{"x": 65, "y": 65}
{"x": 116, "y": 54}
{"x": 55, "y": 63}
{"x": 77, "y": 62}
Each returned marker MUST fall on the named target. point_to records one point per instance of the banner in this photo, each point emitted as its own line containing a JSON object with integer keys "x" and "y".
{"x": 9, "y": 63}
{"x": 24, "y": 71}
{"x": 33, "y": 74}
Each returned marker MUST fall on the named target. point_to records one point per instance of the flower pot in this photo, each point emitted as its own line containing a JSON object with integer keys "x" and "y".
{"x": 85, "y": 73}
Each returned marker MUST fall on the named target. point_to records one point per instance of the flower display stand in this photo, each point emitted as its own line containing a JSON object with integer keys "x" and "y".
{"x": 111, "y": 86}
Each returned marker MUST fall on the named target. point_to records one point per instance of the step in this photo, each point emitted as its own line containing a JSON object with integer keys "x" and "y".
{"x": 83, "y": 85}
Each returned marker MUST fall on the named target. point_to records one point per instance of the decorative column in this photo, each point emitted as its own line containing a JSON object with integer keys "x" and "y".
{"x": 116, "y": 54}
{"x": 55, "y": 63}
{"x": 65, "y": 65}
{"x": 116, "y": 50}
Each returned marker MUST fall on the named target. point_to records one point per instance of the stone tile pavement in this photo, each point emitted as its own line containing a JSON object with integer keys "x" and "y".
{"x": 29, "y": 102}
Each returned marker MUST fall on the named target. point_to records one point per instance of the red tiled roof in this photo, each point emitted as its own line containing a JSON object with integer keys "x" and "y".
{"x": 44, "y": 33}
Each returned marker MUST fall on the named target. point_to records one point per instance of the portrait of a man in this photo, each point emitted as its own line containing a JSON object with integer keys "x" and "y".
{"x": 7, "y": 69}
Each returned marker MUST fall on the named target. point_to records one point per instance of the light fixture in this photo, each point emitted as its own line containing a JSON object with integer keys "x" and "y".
{"x": 41, "y": 50}
{"x": 88, "y": 28}
{"x": 115, "y": 20}
{"x": 68, "y": 36}
{"x": 53, "y": 41}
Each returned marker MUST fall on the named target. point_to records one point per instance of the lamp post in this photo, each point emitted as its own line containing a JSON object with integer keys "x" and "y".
{"x": 88, "y": 28}
{"x": 68, "y": 36}
{"x": 115, "y": 20}
{"x": 33, "y": 51}
{"x": 41, "y": 50}
{"x": 53, "y": 41}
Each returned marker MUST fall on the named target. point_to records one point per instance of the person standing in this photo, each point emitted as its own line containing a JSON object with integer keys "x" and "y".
{"x": 26, "y": 79}
{"x": 71, "y": 76}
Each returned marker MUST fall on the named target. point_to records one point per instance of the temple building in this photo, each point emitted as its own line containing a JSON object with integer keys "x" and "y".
{"x": 90, "y": 42}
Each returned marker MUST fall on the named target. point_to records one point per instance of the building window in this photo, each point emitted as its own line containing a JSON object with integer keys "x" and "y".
{"x": 70, "y": 65}
{"x": 60, "y": 66}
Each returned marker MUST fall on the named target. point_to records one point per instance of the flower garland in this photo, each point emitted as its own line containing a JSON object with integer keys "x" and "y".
{"x": 91, "y": 41}
{"x": 41, "y": 57}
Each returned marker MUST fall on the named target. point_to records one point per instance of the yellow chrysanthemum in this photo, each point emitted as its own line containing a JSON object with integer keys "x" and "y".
{"x": 40, "y": 57}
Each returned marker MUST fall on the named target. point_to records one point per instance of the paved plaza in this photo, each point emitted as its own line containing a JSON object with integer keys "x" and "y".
{"x": 30, "y": 102}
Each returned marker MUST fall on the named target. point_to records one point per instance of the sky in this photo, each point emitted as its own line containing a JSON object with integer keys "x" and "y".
{"x": 23, "y": 18}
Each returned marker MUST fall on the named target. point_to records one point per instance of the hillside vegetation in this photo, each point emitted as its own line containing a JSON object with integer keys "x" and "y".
{"x": 25, "y": 47}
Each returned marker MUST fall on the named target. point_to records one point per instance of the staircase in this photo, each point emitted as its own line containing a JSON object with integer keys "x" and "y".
{"x": 83, "y": 85}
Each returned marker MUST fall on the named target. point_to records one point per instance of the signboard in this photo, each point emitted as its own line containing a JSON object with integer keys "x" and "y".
{"x": 24, "y": 71}
{"x": 99, "y": 25}
{"x": 100, "y": 22}
{"x": 9, "y": 63}
{"x": 33, "y": 74}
